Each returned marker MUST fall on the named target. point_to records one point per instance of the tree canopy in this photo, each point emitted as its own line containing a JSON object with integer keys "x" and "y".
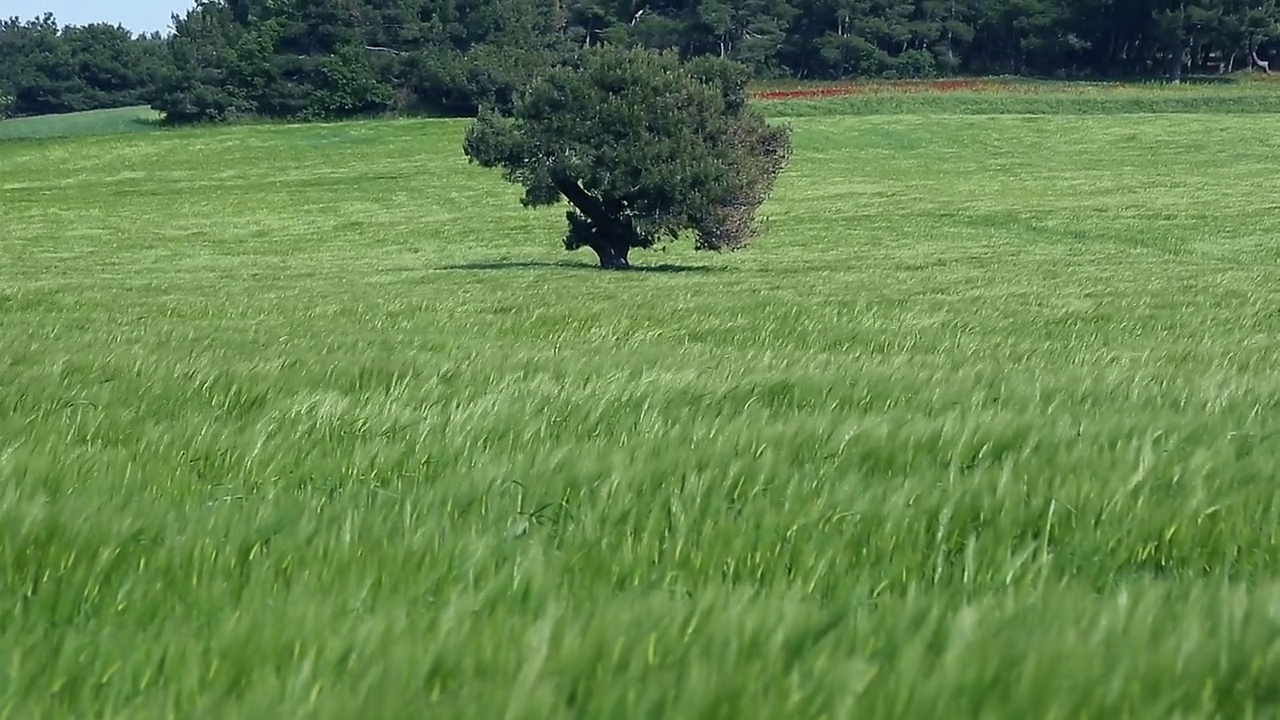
{"x": 48, "y": 68}
{"x": 643, "y": 147}
{"x": 340, "y": 58}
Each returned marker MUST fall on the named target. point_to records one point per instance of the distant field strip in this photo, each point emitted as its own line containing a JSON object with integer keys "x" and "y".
{"x": 318, "y": 422}
{"x": 94, "y": 122}
{"x": 1241, "y": 94}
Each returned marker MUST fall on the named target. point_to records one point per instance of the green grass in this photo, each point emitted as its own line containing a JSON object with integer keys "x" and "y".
{"x": 317, "y": 422}
{"x": 93, "y": 122}
{"x": 1012, "y": 96}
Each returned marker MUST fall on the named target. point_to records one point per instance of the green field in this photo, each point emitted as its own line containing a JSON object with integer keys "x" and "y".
{"x": 317, "y": 422}
{"x": 93, "y": 122}
{"x": 1259, "y": 97}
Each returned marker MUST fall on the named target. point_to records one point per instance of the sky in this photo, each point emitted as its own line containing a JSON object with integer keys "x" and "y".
{"x": 140, "y": 16}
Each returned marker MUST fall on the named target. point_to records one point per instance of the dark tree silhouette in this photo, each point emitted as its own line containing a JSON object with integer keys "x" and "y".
{"x": 644, "y": 147}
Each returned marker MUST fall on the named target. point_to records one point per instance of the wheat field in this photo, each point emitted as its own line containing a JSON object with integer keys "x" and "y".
{"x": 318, "y": 422}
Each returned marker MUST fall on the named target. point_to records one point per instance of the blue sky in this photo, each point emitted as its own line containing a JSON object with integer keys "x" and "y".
{"x": 137, "y": 15}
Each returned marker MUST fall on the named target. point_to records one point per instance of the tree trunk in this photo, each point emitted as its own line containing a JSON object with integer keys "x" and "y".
{"x": 1264, "y": 64}
{"x": 612, "y": 257}
{"x": 1175, "y": 66}
{"x": 609, "y": 236}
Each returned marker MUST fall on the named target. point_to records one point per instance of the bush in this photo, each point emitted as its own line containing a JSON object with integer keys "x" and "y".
{"x": 348, "y": 85}
{"x": 455, "y": 85}
{"x": 197, "y": 96}
{"x": 914, "y": 64}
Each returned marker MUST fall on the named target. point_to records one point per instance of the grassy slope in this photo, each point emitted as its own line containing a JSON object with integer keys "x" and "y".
{"x": 94, "y": 122}
{"x": 317, "y": 422}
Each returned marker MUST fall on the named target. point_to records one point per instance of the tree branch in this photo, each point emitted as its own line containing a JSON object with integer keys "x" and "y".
{"x": 581, "y": 199}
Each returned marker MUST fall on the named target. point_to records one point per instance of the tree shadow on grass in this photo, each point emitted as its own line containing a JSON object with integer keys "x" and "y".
{"x": 585, "y": 267}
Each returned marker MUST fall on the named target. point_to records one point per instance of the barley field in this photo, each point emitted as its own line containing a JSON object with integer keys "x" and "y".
{"x": 318, "y": 422}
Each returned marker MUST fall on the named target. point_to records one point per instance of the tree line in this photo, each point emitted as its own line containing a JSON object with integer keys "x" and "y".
{"x": 47, "y": 68}
{"x": 340, "y": 58}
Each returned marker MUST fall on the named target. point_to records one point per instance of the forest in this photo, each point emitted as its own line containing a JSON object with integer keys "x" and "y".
{"x": 306, "y": 59}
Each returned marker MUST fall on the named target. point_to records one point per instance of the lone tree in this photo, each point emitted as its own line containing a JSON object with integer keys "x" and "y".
{"x": 643, "y": 146}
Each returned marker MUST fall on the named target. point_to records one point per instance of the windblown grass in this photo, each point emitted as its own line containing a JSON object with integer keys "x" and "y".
{"x": 318, "y": 422}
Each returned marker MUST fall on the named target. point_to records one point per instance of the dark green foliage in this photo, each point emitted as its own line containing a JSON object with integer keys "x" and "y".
{"x": 336, "y": 58}
{"x": 642, "y": 146}
{"x": 197, "y": 87}
{"x": 452, "y": 83}
{"x": 304, "y": 59}
{"x": 45, "y": 68}
{"x": 300, "y": 60}
{"x": 340, "y": 58}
